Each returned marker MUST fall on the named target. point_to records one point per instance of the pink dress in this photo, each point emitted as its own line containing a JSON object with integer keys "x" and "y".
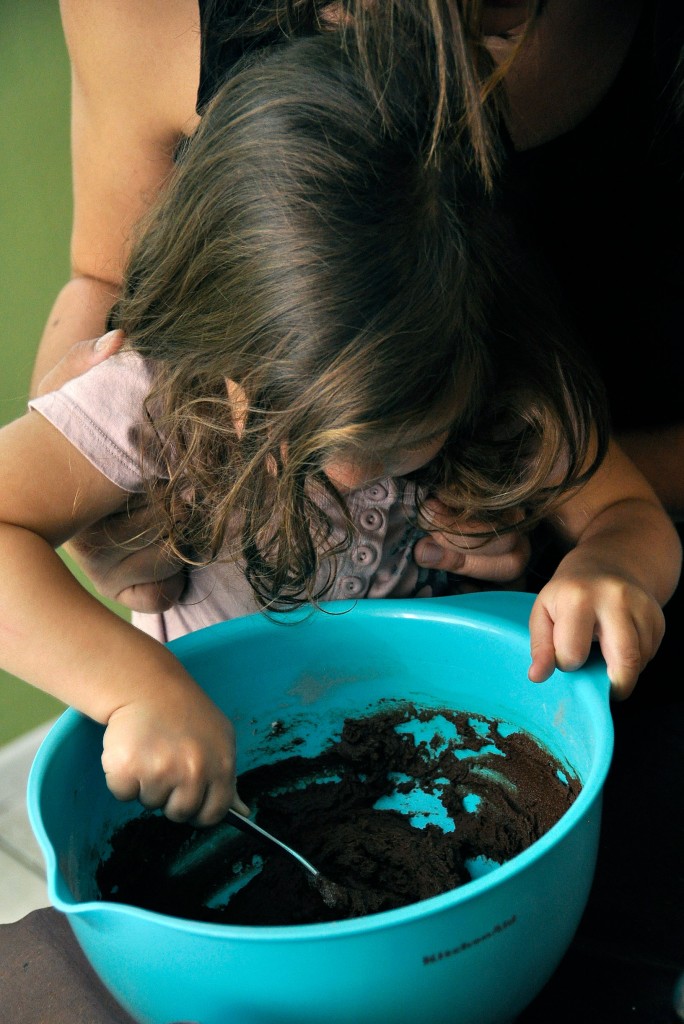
{"x": 100, "y": 413}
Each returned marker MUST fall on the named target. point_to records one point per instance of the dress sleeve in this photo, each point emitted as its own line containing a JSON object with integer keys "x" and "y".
{"x": 102, "y": 414}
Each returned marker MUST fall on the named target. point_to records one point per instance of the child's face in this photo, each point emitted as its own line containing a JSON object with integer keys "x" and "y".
{"x": 413, "y": 453}
{"x": 415, "y": 449}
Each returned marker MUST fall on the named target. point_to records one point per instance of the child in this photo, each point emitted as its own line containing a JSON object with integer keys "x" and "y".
{"x": 318, "y": 323}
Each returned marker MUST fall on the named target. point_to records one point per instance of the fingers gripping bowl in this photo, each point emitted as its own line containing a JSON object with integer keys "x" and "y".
{"x": 477, "y": 954}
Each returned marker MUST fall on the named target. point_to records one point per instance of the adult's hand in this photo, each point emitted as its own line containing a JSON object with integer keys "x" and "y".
{"x": 452, "y": 544}
{"x": 117, "y": 554}
{"x": 79, "y": 358}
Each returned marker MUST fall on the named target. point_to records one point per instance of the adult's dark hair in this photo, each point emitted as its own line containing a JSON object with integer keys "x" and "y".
{"x": 445, "y": 37}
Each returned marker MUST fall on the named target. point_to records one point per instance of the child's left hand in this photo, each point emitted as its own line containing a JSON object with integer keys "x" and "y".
{"x": 578, "y": 606}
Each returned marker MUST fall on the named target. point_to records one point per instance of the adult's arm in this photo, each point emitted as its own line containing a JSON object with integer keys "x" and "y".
{"x": 659, "y": 454}
{"x": 135, "y": 69}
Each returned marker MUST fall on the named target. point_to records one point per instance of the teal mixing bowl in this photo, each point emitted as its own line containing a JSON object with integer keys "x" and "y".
{"x": 475, "y": 955}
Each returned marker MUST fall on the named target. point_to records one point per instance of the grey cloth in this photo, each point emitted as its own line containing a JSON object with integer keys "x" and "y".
{"x": 46, "y": 979}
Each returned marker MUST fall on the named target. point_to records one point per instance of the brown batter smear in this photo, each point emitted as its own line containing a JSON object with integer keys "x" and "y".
{"x": 481, "y": 792}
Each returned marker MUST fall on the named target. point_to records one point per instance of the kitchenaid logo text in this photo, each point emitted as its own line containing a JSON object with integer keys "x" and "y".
{"x": 433, "y": 958}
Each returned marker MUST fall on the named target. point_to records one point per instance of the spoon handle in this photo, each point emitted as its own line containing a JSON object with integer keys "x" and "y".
{"x": 246, "y": 825}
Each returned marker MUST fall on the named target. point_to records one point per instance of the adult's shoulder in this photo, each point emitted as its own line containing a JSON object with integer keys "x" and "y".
{"x": 124, "y": 48}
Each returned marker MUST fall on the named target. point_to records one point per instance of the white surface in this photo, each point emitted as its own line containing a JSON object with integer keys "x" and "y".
{"x": 22, "y": 874}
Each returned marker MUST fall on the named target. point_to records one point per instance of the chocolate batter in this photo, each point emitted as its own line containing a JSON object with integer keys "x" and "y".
{"x": 408, "y": 803}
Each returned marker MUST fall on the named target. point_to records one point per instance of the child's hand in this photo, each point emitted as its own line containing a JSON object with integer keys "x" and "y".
{"x": 175, "y": 751}
{"x": 575, "y": 608}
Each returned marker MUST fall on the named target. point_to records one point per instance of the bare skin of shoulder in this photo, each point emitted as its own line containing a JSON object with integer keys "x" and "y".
{"x": 135, "y": 70}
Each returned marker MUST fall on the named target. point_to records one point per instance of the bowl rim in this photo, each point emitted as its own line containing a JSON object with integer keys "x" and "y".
{"x": 592, "y": 677}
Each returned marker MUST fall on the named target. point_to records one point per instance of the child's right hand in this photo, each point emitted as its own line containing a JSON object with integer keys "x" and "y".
{"x": 176, "y": 751}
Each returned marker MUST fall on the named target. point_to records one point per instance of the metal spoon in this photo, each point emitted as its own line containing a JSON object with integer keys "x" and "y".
{"x": 340, "y": 897}
{"x": 332, "y": 893}
{"x": 247, "y": 825}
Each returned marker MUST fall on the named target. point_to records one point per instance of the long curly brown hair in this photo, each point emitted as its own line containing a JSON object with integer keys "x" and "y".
{"x": 308, "y": 251}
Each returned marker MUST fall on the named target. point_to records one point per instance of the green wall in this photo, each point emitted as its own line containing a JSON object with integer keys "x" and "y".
{"x": 35, "y": 217}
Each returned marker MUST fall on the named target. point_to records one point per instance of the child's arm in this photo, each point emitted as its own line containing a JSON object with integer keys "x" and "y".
{"x": 166, "y": 743}
{"x": 611, "y": 586}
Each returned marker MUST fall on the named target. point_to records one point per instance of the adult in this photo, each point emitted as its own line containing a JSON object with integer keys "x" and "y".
{"x": 593, "y": 169}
